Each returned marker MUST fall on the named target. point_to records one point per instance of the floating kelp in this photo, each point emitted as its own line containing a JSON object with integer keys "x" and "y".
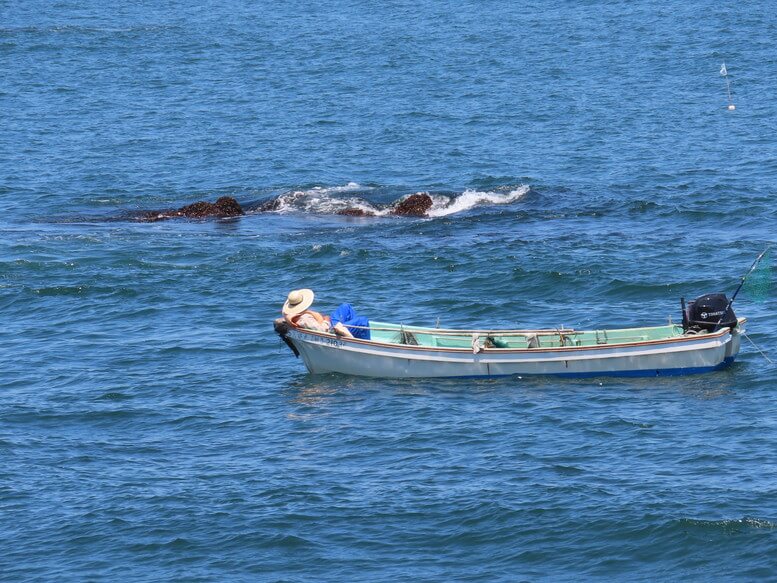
{"x": 224, "y": 207}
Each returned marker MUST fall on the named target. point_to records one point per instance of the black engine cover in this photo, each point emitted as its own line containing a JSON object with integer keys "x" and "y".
{"x": 705, "y": 312}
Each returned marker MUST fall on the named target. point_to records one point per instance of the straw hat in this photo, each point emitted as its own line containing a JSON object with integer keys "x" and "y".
{"x": 298, "y": 301}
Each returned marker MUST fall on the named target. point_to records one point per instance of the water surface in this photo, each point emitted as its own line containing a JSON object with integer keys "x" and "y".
{"x": 586, "y": 172}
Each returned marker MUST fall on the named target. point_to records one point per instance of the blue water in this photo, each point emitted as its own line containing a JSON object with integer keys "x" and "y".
{"x": 585, "y": 171}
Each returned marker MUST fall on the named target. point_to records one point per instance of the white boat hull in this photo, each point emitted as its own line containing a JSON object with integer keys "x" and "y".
{"x": 324, "y": 353}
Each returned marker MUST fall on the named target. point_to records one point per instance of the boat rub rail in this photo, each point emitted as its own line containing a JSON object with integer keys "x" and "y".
{"x": 559, "y": 340}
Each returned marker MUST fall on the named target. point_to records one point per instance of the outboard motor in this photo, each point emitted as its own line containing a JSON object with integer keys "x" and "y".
{"x": 706, "y": 311}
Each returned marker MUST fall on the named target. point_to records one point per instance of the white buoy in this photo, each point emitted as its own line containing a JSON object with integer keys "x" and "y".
{"x": 724, "y": 72}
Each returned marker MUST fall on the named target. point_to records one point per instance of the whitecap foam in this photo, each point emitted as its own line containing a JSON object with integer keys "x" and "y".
{"x": 319, "y": 200}
{"x": 327, "y": 200}
{"x": 443, "y": 206}
{"x": 350, "y": 187}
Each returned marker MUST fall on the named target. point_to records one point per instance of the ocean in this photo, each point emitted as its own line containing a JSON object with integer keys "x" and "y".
{"x": 585, "y": 171}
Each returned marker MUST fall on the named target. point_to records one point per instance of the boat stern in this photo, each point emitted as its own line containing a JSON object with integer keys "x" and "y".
{"x": 732, "y": 349}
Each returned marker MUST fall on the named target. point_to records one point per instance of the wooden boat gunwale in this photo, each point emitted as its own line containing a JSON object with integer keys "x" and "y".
{"x": 495, "y": 350}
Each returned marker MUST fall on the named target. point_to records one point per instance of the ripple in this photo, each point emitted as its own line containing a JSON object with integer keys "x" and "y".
{"x": 151, "y": 422}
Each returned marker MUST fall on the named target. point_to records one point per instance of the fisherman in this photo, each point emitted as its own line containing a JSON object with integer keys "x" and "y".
{"x": 344, "y": 321}
{"x": 345, "y": 316}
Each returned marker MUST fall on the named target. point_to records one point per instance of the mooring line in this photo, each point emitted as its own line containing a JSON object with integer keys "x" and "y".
{"x": 769, "y": 360}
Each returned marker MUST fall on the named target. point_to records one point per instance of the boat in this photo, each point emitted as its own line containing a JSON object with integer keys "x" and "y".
{"x": 708, "y": 339}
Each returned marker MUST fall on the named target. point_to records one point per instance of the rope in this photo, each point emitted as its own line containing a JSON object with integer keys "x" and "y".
{"x": 443, "y": 332}
{"x": 769, "y": 360}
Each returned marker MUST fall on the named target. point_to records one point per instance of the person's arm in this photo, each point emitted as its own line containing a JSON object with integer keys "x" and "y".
{"x": 341, "y": 330}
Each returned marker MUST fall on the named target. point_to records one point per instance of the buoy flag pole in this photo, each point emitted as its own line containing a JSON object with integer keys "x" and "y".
{"x": 724, "y": 72}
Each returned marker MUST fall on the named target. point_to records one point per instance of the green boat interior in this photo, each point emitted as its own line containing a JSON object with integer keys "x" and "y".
{"x": 432, "y": 337}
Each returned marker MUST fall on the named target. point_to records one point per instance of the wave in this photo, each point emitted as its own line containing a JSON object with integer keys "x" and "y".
{"x": 727, "y": 525}
{"x": 472, "y": 198}
{"x": 319, "y": 199}
{"x": 330, "y": 200}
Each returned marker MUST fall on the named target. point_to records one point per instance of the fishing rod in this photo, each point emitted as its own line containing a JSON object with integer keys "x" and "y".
{"x": 741, "y": 283}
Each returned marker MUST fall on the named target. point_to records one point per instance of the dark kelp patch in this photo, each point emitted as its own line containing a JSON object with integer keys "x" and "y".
{"x": 224, "y": 207}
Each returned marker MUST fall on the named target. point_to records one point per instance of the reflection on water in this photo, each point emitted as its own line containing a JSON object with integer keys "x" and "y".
{"x": 320, "y": 390}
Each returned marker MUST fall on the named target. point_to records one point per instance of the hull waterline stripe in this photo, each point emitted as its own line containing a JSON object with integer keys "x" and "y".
{"x": 648, "y": 373}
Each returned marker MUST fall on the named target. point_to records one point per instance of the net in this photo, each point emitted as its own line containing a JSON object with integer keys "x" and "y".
{"x": 758, "y": 284}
